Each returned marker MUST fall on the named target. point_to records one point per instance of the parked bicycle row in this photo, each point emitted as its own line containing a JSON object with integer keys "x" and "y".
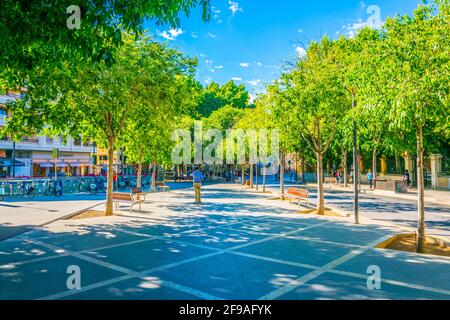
{"x": 29, "y": 188}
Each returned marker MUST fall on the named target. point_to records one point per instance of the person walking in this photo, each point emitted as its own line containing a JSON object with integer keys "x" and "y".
{"x": 197, "y": 177}
{"x": 370, "y": 178}
{"x": 406, "y": 177}
{"x": 114, "y": 180}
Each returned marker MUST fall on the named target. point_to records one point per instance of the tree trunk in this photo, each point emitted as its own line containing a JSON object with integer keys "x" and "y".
{"x": 355, "y": 176}
{"x": 374, "y": 163}
{"x": 154, "y": 177}
{"x": 303, "y": 170}
{"x": 139, "y": 173}
{"x": 282, "y": 167}
{"x": 320, "y": 193}
{"x": 397, "y": 164}
{"x": 257, "y": 182}
{"x": 344, "y": 162}
{"x": 420, "y": 193}
{"x": 251, "y": 175}
{"x": 109, "y": 192}
{"x": 264, "y": 179}
{"x": 243, "y": 174}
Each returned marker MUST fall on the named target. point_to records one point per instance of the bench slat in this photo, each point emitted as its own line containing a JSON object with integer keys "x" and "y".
{"x": 302, "y": 193}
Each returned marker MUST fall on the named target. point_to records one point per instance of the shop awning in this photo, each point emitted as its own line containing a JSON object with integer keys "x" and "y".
{"x": 46, "y": 165}
{"x": 8, "y": 162}
{"x": 61, "y": 164}
{"x": 75, "y": 164}
{"x": 51, "y": 165}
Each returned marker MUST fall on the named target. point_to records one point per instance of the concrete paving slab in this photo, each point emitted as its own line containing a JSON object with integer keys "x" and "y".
{"x": 339, "y": 287}
{"x": 299, "y": 251}
{"x": 150, "y": 288}
{"x": 411, "y": 268}
{"x": 38, "y": 279}
{"x": 220, "y": 238}
{"x": 177, "y": 247}
{"x": 263, "y": 227}
{"x": 19, "y": 251}
{"x": 354, "y": 235}
{"x": 92, "y": 238}
{"x": 150, "y": 254}
{"x": 233, "y": 277}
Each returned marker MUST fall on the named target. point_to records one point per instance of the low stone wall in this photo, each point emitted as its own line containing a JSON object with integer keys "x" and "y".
{"x": 444, "y": 182}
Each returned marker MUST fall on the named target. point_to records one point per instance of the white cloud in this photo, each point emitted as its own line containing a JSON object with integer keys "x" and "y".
{"x": 208, "y": 61}
{"x": 208, "y": 80}
{"x": 234, "y": 7}
{"x": 194, "y": 35}
{"x": 259, "y": 64}
{"x": 212, "y": 35}
{"x": 216, "y": 15}
{"x": 254, "y": 82}
{"x": 172, "y": 34}
{"x": 218, "y": 67}
{"x": 300, "y": 30}
{"x": 236, "y": 79}
{"x": 244, "y": 64}
{"x": 352, "y": 29}
{"x": 301, "y": 52}
{"x": 374, "y": 21}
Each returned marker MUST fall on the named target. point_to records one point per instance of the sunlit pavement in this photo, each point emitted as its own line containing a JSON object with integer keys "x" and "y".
{"x": 236, "y": 245}
{"x": 18, "y": 214}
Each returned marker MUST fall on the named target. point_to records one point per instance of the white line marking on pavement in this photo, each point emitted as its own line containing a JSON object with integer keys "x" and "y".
{"x": 129, "y": 274}
{"x": 85, "y": 288}
{"x": 316, "y": 273}
{"x": 285, "y": 234}
{"x": 393, "y": 282}
{"x": 149, "y": 271}
{"x": 345, "y": 273}
{"x": 88, "y": 259}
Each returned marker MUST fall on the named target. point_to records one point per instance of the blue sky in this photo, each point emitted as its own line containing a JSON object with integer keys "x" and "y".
{"x": 249, "y": 40}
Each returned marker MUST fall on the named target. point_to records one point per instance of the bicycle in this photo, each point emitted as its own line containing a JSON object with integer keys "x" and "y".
{"x": 88, "y": 187}
{"x": 27, "y": 189}
{"x": 53, "y": 189}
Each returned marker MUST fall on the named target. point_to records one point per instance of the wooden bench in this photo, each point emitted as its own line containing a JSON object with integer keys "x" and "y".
{"x": 130, "y": 198}
{"x": 161, "y": 186}
{"x": 298, "y": 194}
{"x": 138, "y": 193}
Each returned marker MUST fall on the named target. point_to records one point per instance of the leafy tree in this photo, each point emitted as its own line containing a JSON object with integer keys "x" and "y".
{"x": 100, "y": 103}
{"x": 147, "y": 137}
{"x": 414, "y": 69}
{"x": 318, "y": 102}
{"x": 281, "y": 111}
{"x": 215, "y": 97}
{"x": 35, "y": 33}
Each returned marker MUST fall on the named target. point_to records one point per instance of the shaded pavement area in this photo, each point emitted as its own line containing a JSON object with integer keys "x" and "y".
{"x": 236, "y": 245}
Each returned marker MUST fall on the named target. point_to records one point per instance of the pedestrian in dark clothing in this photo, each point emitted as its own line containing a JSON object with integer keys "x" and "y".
{"x": 406, "y": 177}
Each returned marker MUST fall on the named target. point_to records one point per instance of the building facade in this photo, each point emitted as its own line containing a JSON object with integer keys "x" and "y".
{"x": 37, "y": 157}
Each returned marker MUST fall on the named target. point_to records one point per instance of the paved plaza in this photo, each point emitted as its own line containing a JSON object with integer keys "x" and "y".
{"x": 236, "y": 245}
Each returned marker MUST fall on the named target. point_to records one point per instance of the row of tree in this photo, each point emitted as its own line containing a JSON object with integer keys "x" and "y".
{"x": 104, "y": 81}
{"x": 390, "y": 86}
{"x": 109, "y": 83}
